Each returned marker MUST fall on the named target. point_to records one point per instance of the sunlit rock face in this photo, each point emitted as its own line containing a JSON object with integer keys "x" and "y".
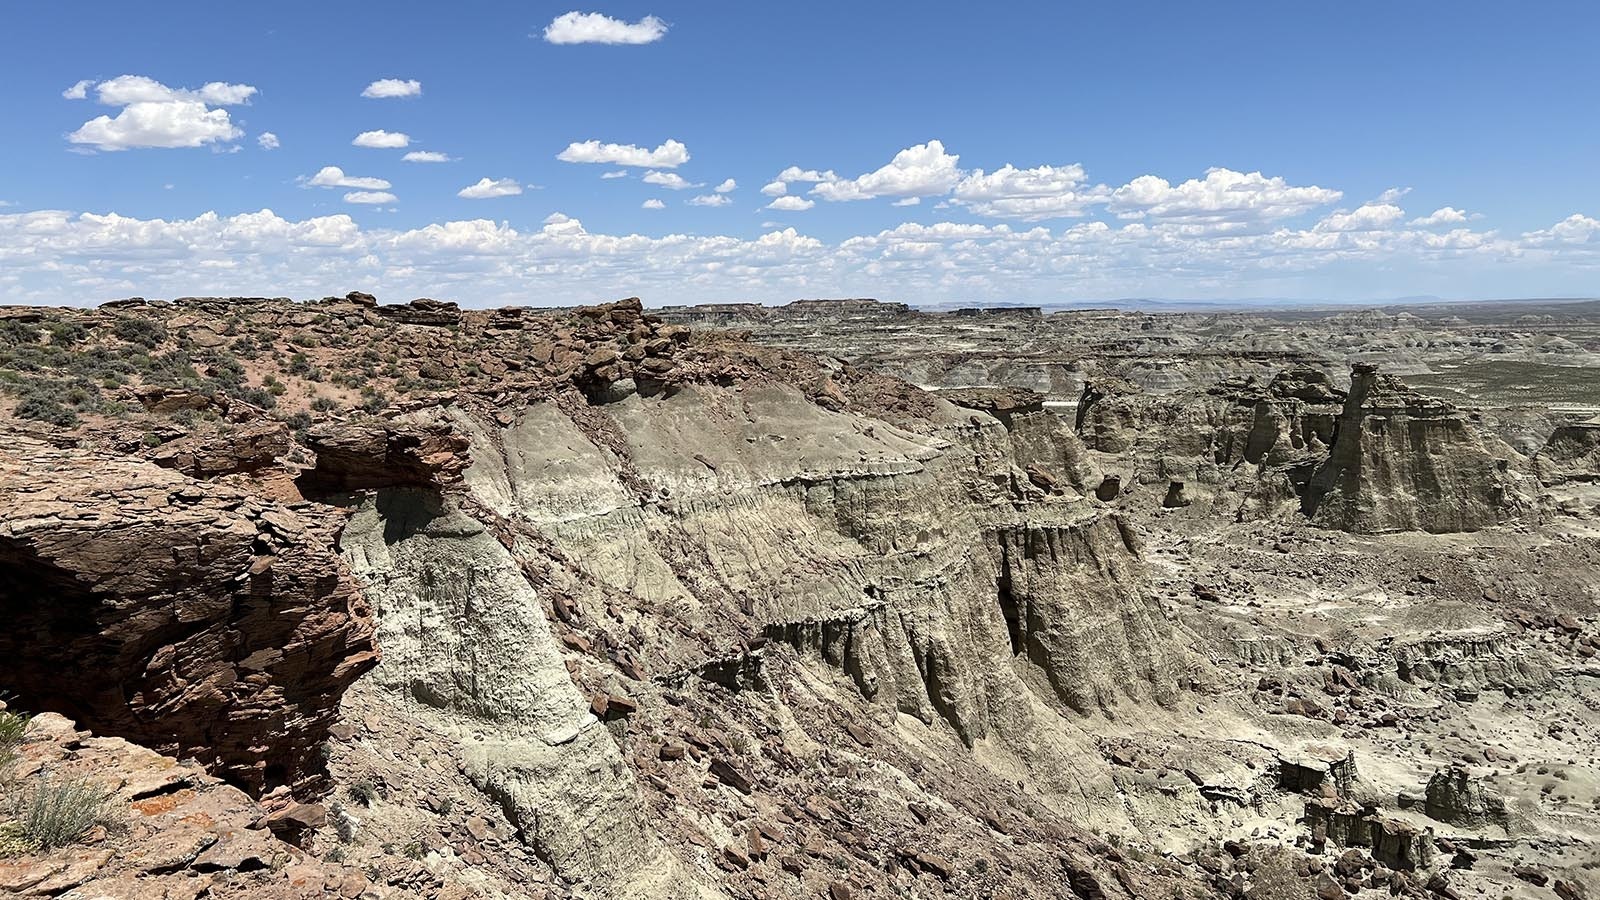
{"x": 1400, "y": 462}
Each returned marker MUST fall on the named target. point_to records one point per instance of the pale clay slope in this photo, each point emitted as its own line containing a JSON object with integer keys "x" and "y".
{"x": 809, "y": 521}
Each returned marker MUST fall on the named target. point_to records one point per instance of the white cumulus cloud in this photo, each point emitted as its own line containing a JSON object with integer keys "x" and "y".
{"x": 1576, "y": 229}
{"x": 426, "y": 156}
{"x": 596, "y": 28}
{"x": 791, "y": 203}
{"x": 653, "y": 203}
{"x": 1367, "y": 217}
{"x": 1043, "y": 192}
{"x": 669, "y": 155}
{"x": 266, "y": 140}
{"x": 727, "y": 186}
{"x": 334, "y": 177}
{"x": 382, "y": 140}
{"x": 129, "y": 89}
{"x": 1223, "y": 198}
{"x": 710, "y": 200}
{"x": 51, "y": 255}
{"x": 615, "y": 173}
{"x": 795, "y": 173}
{"x": 369, "y": 197}
{"x": 925, "y": 170}
{"x": 1444, "y": 215}
{"x": 385, "y": 88}
{"x": 488, "y": 188}
{"x": 154, "y": 115}
{"x": 669, "y": 180}
{"x": 775, "y": 189}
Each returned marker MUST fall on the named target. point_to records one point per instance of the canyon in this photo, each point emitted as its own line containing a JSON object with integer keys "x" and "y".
{"x": 834, "y": 599}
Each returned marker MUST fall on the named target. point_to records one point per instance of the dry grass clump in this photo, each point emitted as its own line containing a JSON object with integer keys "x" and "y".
{"x": 44, "y": 811}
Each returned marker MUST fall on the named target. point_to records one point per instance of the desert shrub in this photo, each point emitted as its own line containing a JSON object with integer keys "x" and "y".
{"x": 168, "y": 370}
{"x": 14, "y": 333}
{"x": 344, "y": 824}
{"x": 47, "y": 410}
{"x": 139, "y": 330}
{"x": 258, "y": 397}
{"x": 100, "y": 362}
{"x": 54, "y": 811}
{"x": 55, "y": 401}
{"x": 66, "y": 332}
{"x": 376, "y": 403}
{"x": 299, "y": 364}
{"x": 324, "y": 404}
{"x": 363, "y": 792}
{"x": 224, "y": 369}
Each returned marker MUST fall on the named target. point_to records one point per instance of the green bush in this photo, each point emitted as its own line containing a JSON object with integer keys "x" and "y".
{"x": 141, "y": 331}
{"x": 14, "y": 333}
{"x": 363, "y": 792}
{"x": 258, "y": 397}
{"x": 67, "y": 332}
{"x": 225, "y": 370}
{"x": 44, "y": 409}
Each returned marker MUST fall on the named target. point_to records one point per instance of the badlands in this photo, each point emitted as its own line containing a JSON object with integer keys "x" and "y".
{"x": 839, "y": 599}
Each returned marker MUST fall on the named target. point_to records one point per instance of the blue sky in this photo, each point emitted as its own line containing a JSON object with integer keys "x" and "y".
{"x": 1319, "y": 151}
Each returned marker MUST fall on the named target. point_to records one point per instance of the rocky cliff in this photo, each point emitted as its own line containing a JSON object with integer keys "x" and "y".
{"x": 200, "y": 619}
{"x": 1400, "y": 461}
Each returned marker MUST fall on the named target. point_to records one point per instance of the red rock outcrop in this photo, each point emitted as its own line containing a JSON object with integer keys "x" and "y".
{"x": 380, "y": 453}
{"x": 253, "y": 447}
{"x": 188, "y": 616}
{"x": 177, "y": 832}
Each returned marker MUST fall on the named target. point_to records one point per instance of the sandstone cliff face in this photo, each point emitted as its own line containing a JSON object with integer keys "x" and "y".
{"x": 1380, "y": 458}
{"x": 192, "y": 617}
{"x": 1401, "y": 462}
{"x": 1572, "y": 453}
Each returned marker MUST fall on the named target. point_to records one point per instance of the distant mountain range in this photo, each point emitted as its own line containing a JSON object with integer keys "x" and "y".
{"x": 1161, "y": 304}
